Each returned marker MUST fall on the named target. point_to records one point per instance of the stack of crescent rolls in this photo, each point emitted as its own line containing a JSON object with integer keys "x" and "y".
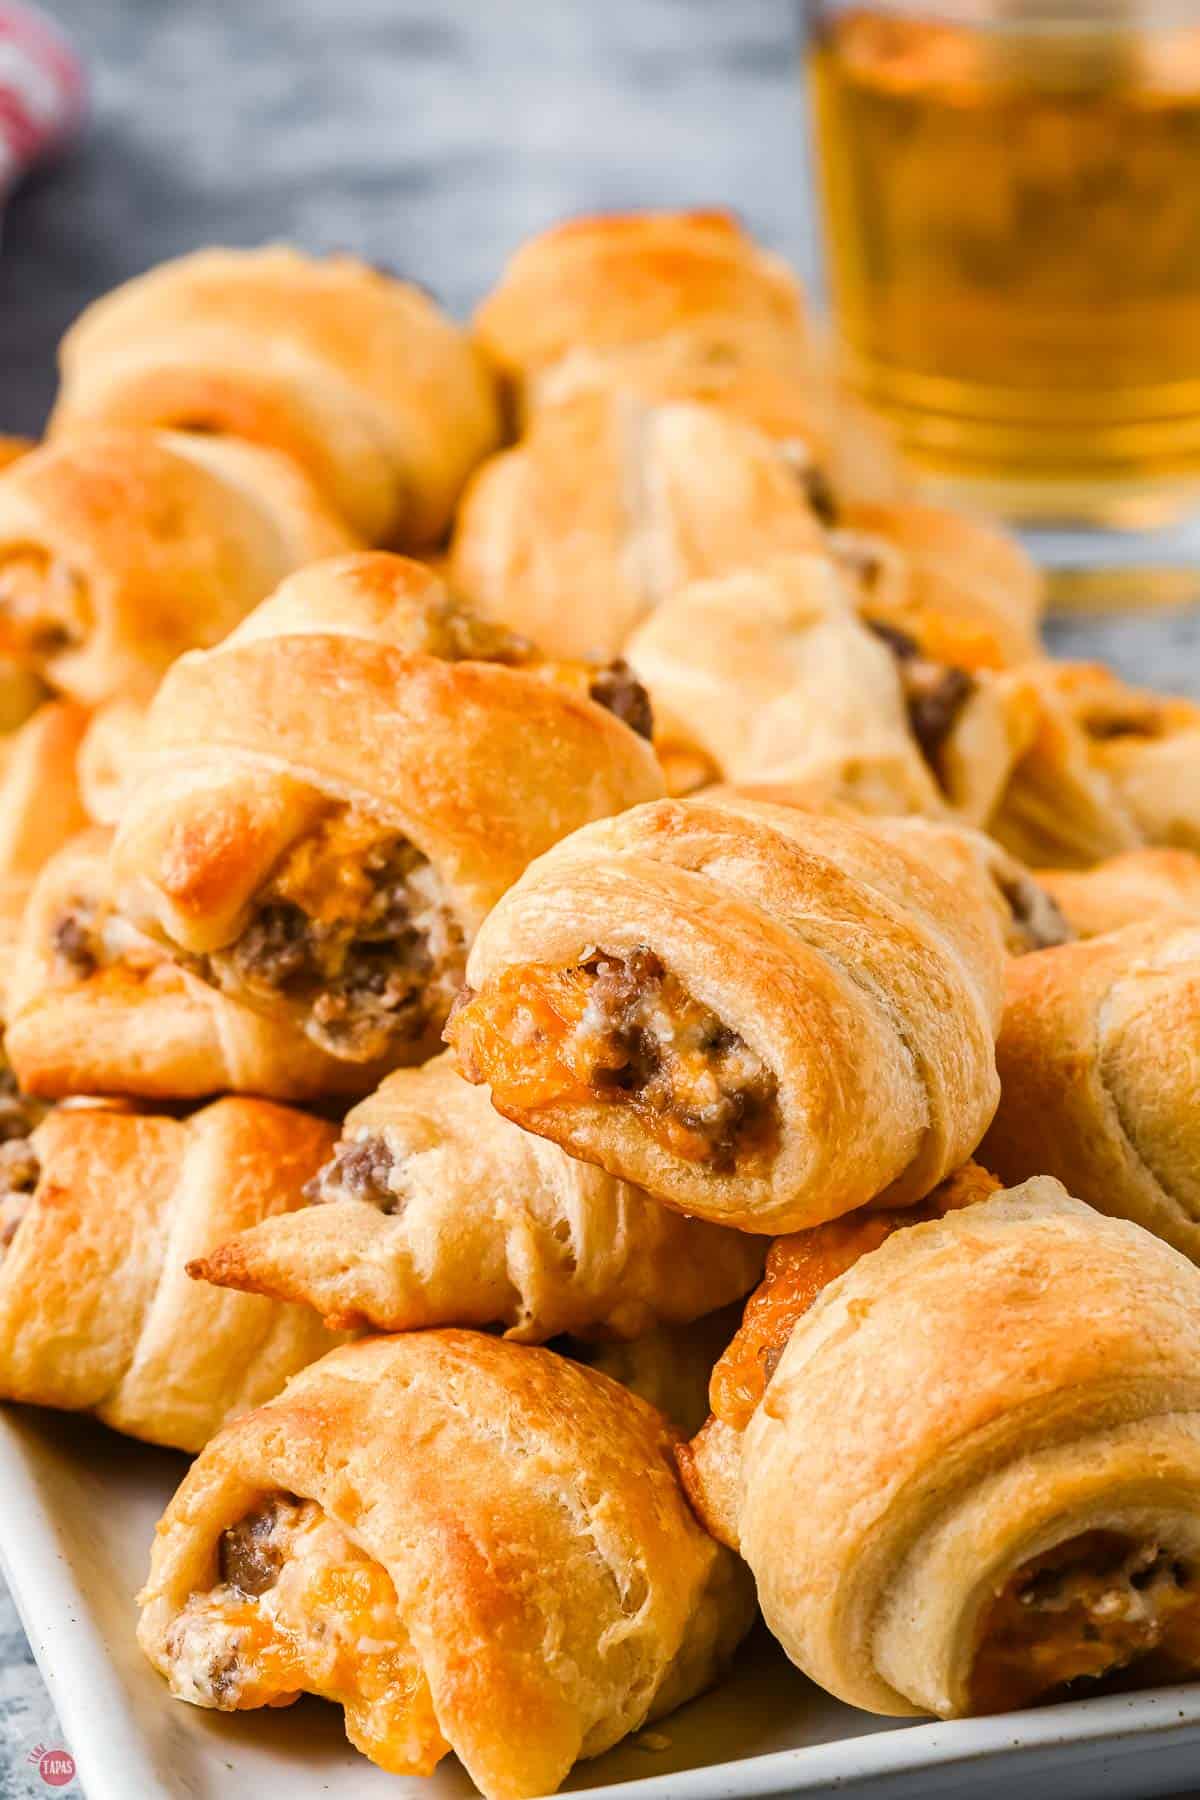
{"x": 591, "y": 1027}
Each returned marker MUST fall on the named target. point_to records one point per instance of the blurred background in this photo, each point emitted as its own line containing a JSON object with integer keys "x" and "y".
{"x": 431, "y": 137}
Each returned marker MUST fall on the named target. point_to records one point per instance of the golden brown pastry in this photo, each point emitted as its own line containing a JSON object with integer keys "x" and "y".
{"x": 762, "y": 1016}
{"x": 1026, "y": 912}
{"x": 676, "y": 305}
{"x": 108, "y": 756}
{"x": 965, "y": 591}
{"x": 1061, "y": 808}
{"x": 434, "y": 1210}
{"x": 1127, "y": 890}
{"x": 1147, "y": 746}
{"x": 1099, "y": 1056}
{"x": 96, "y": 1007}
{"x": 99, "y": 1212}
{"x": 968, "y": 1516}
{"x": 327, "y": 805}
{"x": 120, "y": 549}
{"x": 359, "y": 378}
{"x": 773, "y": 676}
{"x": 470, "y": 1545}
{"x": 608, "y": 505}
{"x": 40, "y": 809}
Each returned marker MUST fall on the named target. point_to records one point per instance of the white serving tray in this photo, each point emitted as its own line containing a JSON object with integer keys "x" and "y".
{"x": 77, "y": 1513}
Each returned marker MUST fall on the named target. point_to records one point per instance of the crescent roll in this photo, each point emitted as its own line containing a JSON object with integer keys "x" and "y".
{"x": 962, "y": 1456}
{"x": 1099, "y": 1054}
{"x": 327, "y": 805}
{"x": 608, "y": 505}
{"x": 120, "y": 549}
{"x": 762, "y": 1016}
{"x": 360, "y": 379}
{"x": 434, "y": 1210}
{"x": 97, "y": 1007}
{"x": 469, "y": 1545}
{"x": 1127, "y": 890}
{"x": 678, "y": 305}
{"x": 771, "y": 673}
{"x": 99, "y": 1212}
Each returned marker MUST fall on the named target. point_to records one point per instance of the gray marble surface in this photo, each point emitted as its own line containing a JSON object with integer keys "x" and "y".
{"x": 432, "y": 137}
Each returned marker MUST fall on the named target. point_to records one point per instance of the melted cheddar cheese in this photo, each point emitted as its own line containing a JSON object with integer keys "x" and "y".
{"x": 799, "y": 1269}
{"x": 328, "y": 1624}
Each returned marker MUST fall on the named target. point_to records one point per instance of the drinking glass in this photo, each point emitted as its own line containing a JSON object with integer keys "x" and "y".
{"x": 1011, "y": 198}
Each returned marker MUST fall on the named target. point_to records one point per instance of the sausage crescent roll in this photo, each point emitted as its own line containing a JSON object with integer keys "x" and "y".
{"x": 607, "y": 506}
{"x": 773, "y": 676}
{"x": 1127, "y": 890}
{"x": 1098, "y": 1055}
{"x": 327, "y": 805}
{"x": 435, "y": 1210}
{"x": 469, "y": 1545}
{"x": 361, "y": 379}
{"x": 97, "y": 1007}
{"x": 762, "y": 1016}
{"x": 99, "y": 1212}
{"x": 121, "y": 549}
{"x": 962, "y": 1456}
{"x": 675, "y": 305}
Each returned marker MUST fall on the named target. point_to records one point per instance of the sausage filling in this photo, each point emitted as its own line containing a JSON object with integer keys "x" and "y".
{"x": 361, "y": 1169}
{"x": 299, "y": 1608}
{"x": 799, "y": 1268}
{"x": 622, "y": 1030}
{"x": 1085, "y": 1610}
{"x": 354, "y": 931}
{"x": 90, "y": 941}
{"x": 1038, "y": 922}
{"x": 43, "y": 605}
{"x": 454, "y": 634}
{"x": 934, "y": 695}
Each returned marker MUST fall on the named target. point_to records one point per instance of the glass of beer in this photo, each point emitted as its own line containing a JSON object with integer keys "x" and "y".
{"x": 1011, "y": 191}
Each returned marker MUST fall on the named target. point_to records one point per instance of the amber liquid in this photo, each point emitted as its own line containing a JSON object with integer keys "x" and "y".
{"x": 1013, "y": 231}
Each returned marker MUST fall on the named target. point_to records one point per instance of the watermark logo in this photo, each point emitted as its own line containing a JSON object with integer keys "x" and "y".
{"x": 56, "y": 1767}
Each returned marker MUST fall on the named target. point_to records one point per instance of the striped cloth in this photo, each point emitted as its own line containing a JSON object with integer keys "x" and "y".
{"x": 42, "y": 90}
